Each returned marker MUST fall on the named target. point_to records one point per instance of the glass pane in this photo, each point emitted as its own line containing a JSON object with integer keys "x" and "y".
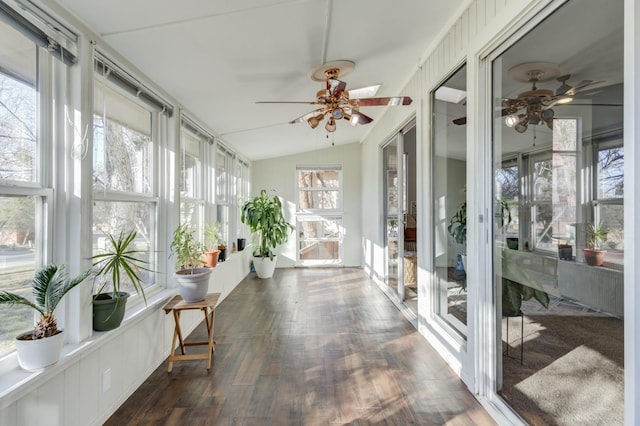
{"x": 192, "y": 213}
{"x": 190, "y": 167}
{"x": 319, "y": 229}
{"x": 508, "y": 180}
{"x": 17, "y": 264}
{"x": 320, "y": 250}
{"x": 391, "y": 207}
{"x": 542, "y": 180}
{"x": 221, "y": 178}
{"x": 318, "y": 178}
{"x": 122, "y": 158}
{"x": 543, "y": 222}
{"x": 310, "y": 200}
{"x": 18, "y": 130}
{"x": 319, "y": 239}
{"x": 115, "y": 217}
{"x": 450, "y": 206}
{"x": 557, "y": 316}
{"x": 223, "y": 217}
{"x": 612, "y": 217}
{"x": 611, "y": 173}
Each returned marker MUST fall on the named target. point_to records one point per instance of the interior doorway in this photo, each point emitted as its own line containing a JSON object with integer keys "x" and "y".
{"x": 400, "y": 226}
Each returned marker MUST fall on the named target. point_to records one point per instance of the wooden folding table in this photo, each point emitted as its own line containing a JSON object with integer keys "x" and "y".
{"x": 208, "y": 307}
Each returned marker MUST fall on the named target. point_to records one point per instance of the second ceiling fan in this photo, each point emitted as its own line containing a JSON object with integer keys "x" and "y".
{"x": 334, "y": 100}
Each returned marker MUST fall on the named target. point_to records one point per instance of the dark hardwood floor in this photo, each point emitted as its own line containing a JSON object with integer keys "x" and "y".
{"x": 310, "y": 346}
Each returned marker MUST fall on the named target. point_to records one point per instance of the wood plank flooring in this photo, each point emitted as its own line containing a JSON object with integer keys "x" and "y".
{"x": 307, "y": 347}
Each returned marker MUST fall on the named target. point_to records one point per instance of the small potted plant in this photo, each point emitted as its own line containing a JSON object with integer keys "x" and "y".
{"x": 594, "y": 251}
{"x": 212, "y": 234}
{"x": 192, "y": 278}
{"x": 42, "y": 347}
{"x": 222, "y": 247}
{"x": 120, "y": 261}
{"x": 266, "y": 220}
{"x": 565, "y": 251}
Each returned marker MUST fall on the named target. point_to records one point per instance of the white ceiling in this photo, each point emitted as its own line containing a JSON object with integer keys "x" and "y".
{"x": 217, "y": 58}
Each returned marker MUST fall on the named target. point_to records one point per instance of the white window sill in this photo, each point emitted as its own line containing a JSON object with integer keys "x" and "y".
{"x": 16, "y": 383}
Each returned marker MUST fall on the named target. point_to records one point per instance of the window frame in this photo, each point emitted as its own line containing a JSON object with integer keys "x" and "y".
{"x": 150, "y": 197}
{"x": 320, "y": 214}
{"x": 41, "y": 187}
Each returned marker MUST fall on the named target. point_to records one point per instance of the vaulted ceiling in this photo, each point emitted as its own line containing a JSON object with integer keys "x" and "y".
{"x": 217, "y": 58}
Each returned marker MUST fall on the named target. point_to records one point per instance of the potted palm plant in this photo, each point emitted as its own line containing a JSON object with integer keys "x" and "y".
{"x": 192, "y": 278}
{"x": 120, "y": 261}
{"x": 594, "y": 251}
{"x": 42, "y": 346}
{"x": 265, "y": 218}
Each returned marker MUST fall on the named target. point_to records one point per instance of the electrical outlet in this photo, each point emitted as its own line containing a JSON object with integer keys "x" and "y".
{"x": 106, "y": 380}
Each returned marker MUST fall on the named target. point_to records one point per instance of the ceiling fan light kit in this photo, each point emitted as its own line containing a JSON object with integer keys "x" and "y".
{"x": 533, "y": 107}
{"x": 335, "y": 101}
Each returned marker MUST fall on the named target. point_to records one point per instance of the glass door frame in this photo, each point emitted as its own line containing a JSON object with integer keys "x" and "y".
{"x": 400, "y": 185}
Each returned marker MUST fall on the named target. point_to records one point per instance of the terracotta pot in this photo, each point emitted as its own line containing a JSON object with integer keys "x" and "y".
{"x": 594, "y": 257}
{"x": 211, "y": 258}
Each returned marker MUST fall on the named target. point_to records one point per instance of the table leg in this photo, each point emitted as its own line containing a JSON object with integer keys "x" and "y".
{"x": 173, "y": 344}
{"x": 176, "y": 317}
{"x": 210, "y": 336}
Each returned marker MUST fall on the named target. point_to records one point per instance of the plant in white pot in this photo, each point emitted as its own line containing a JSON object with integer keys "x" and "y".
{"x": 265, "y": 218}
{"x": 192, "y": 278}
{"x": 41, "y": 347}
{"x": 119, "y": 261}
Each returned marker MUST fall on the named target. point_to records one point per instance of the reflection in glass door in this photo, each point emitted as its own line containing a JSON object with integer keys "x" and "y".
{"x": 391, "y": 192}
{"x": 560, "y": 321}
{"x": 450, "y": 201}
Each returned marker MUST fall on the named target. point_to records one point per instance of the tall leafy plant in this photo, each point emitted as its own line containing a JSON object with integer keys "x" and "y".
{"x": 265, "y": 218}
{"x": 458, "y": 224}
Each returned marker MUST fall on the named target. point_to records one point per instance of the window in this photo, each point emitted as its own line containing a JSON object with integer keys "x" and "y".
{"x": 609, "y": 194}
{"x": 319, "y": 216}
{"x": 192, "y": 194}
{"x": 24, "y": 189}
{"x": 223, "y": 162}
{"x": 123, "y": 172}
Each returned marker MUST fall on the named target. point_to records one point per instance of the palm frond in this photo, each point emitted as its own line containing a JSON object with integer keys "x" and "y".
{"x": 61, "y": 285}
{"x": 10, "y": 299}
{"x": 41, "y": 284}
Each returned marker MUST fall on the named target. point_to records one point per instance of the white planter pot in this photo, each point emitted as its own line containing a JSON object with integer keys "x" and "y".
{"x": 193, "y": 287}
{"x": 264, "y": 266}
{"x": 36, "y": 354}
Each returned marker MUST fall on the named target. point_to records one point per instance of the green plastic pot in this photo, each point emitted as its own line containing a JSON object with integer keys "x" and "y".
{"x": 108, "y": 312}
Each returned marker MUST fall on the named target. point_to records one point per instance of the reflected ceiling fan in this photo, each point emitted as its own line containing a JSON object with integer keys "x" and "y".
{"x": 334, "y": 100}
{"x": 533, "y": 107}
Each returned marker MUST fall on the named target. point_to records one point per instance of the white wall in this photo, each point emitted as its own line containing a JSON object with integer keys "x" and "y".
{"x": 71, "y": 392}
{"x": 279, "y": 174}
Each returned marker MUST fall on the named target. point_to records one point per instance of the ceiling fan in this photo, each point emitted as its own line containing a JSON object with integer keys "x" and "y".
{"x": 533, "y": 107}
{"x": 334, "y": 100}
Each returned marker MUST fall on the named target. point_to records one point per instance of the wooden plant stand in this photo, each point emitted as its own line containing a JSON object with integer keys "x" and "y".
{"x": 207, "y": 306}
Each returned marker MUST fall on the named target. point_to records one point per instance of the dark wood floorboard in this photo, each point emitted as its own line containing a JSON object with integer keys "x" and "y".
{"x": 307, "y": 347}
